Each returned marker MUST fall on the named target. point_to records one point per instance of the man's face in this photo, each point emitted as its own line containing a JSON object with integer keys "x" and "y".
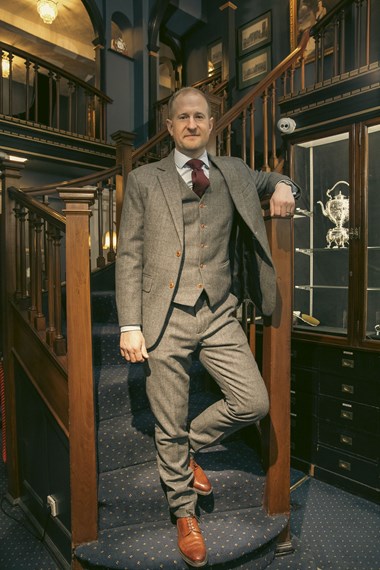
{"x": 190, "y": 124}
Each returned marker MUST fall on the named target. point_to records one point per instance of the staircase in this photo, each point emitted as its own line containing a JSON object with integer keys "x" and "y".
{"x": 135, "y": 530}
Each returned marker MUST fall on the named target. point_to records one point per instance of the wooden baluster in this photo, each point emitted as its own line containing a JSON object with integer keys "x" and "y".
{"x": 39, "y": 319}
{"x": 284, "y": 80}
{"x": 358, "y": 32}
{"x": 50, "y": 331}
{"x": 83, "y": 467}
{"x": 100, "y": 261}
{"x": 322, "y": 59}
{"x": 10, "y": 84}
{"x": 27, "y": 88}
{"x": 336, "y": 47}
{"x": 228, "y": 141}
{"x": 292, "y": 73}
{"x": 76, "y": 110}
{"x": 252, "y": 135}
{"x": 32, "y": 311}
{"x": 59, "y": 341}
{"x": 303, "y": 84}
{"x": 243, "y": 135}
{"x": 342, "y": 22}
{"x": 316, "y": 62}
{"x": 57, "y": 101}
{"x": 111, "y": 255}
{"x": 22, "y": 220}
{"x": 368, "y": 32}
{"x": 70, "y": 86}
{"x": 36, "y": 94}
{"x": 273, "y": 126}
{"x": 51, "y": 79}
{"x": 17, "y": 211}
{"x": 265, "y": 167}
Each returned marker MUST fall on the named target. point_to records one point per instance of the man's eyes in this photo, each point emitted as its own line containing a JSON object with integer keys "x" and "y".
{"x": 187, "y": 117}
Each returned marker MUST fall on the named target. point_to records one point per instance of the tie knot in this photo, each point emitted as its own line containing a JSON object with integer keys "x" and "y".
{"x": 195, "y": 163}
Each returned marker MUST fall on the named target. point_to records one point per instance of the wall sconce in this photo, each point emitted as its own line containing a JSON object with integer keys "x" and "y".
{"x": 107, "y": 240}
{"x": 5, "y": 65}
{"x": 48, "y": 10}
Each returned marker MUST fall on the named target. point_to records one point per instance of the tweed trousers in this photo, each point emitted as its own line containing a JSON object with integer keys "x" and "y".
{"x": 225, "y": 354}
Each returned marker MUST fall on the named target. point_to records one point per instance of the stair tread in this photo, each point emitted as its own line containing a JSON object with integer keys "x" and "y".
{"x": 134, "y": 494}
{"x": 230, "y": 536}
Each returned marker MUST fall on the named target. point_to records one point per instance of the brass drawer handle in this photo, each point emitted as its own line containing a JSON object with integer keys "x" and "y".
{"x": 345, "y": 439}
{"x": 347, "y": 389}
{"x": 348, "y": 363}
{"x": 344, "y": 465}
{"x": 346, "y": 415}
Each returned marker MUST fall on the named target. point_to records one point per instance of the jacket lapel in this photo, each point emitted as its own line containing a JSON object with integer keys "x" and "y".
{"x": 170, "y": 185}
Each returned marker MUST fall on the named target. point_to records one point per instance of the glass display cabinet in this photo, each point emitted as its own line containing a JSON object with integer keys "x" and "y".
{"x": 337, "y": 235}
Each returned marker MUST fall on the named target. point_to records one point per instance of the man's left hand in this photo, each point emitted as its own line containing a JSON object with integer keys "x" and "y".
{"x": 282, "y": 201}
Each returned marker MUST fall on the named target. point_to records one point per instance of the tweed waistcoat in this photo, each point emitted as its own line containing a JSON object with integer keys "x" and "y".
{"x": 207, "y": 229}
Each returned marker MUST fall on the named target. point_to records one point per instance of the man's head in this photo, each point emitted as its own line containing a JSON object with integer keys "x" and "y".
{"x": 189, "y": 122}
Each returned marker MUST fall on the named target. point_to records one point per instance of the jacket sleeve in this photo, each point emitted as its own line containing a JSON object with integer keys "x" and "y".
{"x": 265, "y": 182}
{"x": 129, "y": 260}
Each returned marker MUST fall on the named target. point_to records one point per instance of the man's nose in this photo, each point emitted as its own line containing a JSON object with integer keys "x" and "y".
{"x": 192, "y": 124}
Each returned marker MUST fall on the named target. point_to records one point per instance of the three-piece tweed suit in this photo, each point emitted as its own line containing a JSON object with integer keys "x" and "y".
{"x": 183, "y": 264}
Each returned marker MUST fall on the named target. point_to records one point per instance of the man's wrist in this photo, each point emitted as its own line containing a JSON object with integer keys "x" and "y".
{"x": 294, "y": 188}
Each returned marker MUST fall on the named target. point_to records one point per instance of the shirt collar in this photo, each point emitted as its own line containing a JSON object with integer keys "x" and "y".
{"x": 180, "y": 159}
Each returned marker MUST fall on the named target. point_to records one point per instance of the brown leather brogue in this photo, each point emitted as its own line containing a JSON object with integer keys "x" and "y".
{"x": 201, "y": 483}
{"x": 190, "y": 542}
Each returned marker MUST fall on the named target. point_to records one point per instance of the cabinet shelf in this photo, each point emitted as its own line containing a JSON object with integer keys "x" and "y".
{"x": 308, "y": 251}
{"x": 310, "y": 287}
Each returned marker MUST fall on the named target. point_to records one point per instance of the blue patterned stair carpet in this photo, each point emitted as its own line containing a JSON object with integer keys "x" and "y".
{"x": 135, "y": 529}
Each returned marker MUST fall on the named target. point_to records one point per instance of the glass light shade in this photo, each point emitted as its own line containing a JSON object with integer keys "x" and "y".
{"x": 107, "y": 240}
{"x": 48, "y": 10}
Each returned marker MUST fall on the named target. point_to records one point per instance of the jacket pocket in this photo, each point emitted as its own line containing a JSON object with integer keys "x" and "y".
{"x": 147, "y": 283}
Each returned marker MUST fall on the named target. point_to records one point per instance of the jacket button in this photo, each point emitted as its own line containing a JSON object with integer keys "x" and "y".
{"x": 199, "y": 285}
{"x": 178, "y": 253}
{"x": 171, "y": 285}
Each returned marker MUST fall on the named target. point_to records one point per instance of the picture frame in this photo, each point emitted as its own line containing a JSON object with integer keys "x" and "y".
{"x": 253, "y": 67}
{"x": 214, "y": 55}
{"x": 304, "y": 15}
{"x": 255, "y": 33}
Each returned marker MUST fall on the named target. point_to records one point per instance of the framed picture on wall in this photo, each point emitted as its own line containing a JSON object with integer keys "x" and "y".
{"x": 255, "y": 33}
{"x": 304, "y": 14}
{"x": 214, "y": 56}
{"x": 253, "y": 67}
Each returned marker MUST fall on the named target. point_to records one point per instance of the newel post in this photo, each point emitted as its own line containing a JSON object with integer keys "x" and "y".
{"x": 83, "y": 468}
{"x": 276, "y": 374}
{"x": 10, "y": 174}
{"x": 124, "y": 156}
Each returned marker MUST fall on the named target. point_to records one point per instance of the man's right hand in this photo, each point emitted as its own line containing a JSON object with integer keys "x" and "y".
{"x": 132, "y": 346}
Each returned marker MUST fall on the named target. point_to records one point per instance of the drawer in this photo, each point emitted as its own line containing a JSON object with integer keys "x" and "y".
{"x": 338, "y": 360}
{"x": 349, "y": 441}
{"x": 302, "y": 404}
{"x": 348, "y": 466}
{"x": 305, "y": 355}
{"x": 349, "y": 414}
{"x": 350, "y": 389}
{"x": 304, "y": 380}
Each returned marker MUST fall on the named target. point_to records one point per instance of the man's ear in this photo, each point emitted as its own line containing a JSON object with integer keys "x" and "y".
{"x": 169, "y": 126}
{"x": 211, "y": 124}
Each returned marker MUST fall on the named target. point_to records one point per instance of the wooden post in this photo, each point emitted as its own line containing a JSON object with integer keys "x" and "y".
{"x": 276, "y": 374}
{"x": 124, "y": 148}
{"x": 10, "y": 175}
{"x": 83, "y": 468}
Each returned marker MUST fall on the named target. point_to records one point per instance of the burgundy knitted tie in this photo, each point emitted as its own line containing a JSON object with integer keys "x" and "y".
{"x": 198, "y": 177}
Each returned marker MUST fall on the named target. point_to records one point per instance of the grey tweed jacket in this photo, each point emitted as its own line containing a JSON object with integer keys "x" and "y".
{"x": 151, "y": 239}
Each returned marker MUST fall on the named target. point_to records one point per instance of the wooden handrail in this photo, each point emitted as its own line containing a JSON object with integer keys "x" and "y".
{"x": 329, "y": 17}
{"x": 50, "y": 216}
{"x": 58, "y": 70}
{"x": 87, "y": 180}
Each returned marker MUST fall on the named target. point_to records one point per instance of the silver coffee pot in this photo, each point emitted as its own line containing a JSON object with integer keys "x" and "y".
{"x": 337, "y": 210}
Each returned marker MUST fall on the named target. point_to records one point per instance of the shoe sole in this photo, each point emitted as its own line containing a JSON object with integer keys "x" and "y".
{"x": 192, "y": 563}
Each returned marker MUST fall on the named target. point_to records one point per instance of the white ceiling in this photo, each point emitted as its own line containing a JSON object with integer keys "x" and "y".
{"x": 67, "y": 42}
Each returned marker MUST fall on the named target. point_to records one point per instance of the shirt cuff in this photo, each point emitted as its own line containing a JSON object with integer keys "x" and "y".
{"x": 130, "y": 328}
{"x": 295, "y": 189}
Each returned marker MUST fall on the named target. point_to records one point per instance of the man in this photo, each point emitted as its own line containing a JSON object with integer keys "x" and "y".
{"x": 177, "y": 282}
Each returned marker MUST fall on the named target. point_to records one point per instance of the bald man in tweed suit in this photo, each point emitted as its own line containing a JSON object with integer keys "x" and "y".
{"x": 184, "y": 262}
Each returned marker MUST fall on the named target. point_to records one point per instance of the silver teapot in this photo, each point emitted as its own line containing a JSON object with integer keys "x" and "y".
{"x": 337, "y": 210}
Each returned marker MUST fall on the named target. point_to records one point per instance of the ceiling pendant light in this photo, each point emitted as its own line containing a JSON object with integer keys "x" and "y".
{"x": 48, "y": 10}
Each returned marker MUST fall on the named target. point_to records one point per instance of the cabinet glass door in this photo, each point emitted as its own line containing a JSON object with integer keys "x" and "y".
{"x": 321, "y": 232}
{"x": 373, "y": 235}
